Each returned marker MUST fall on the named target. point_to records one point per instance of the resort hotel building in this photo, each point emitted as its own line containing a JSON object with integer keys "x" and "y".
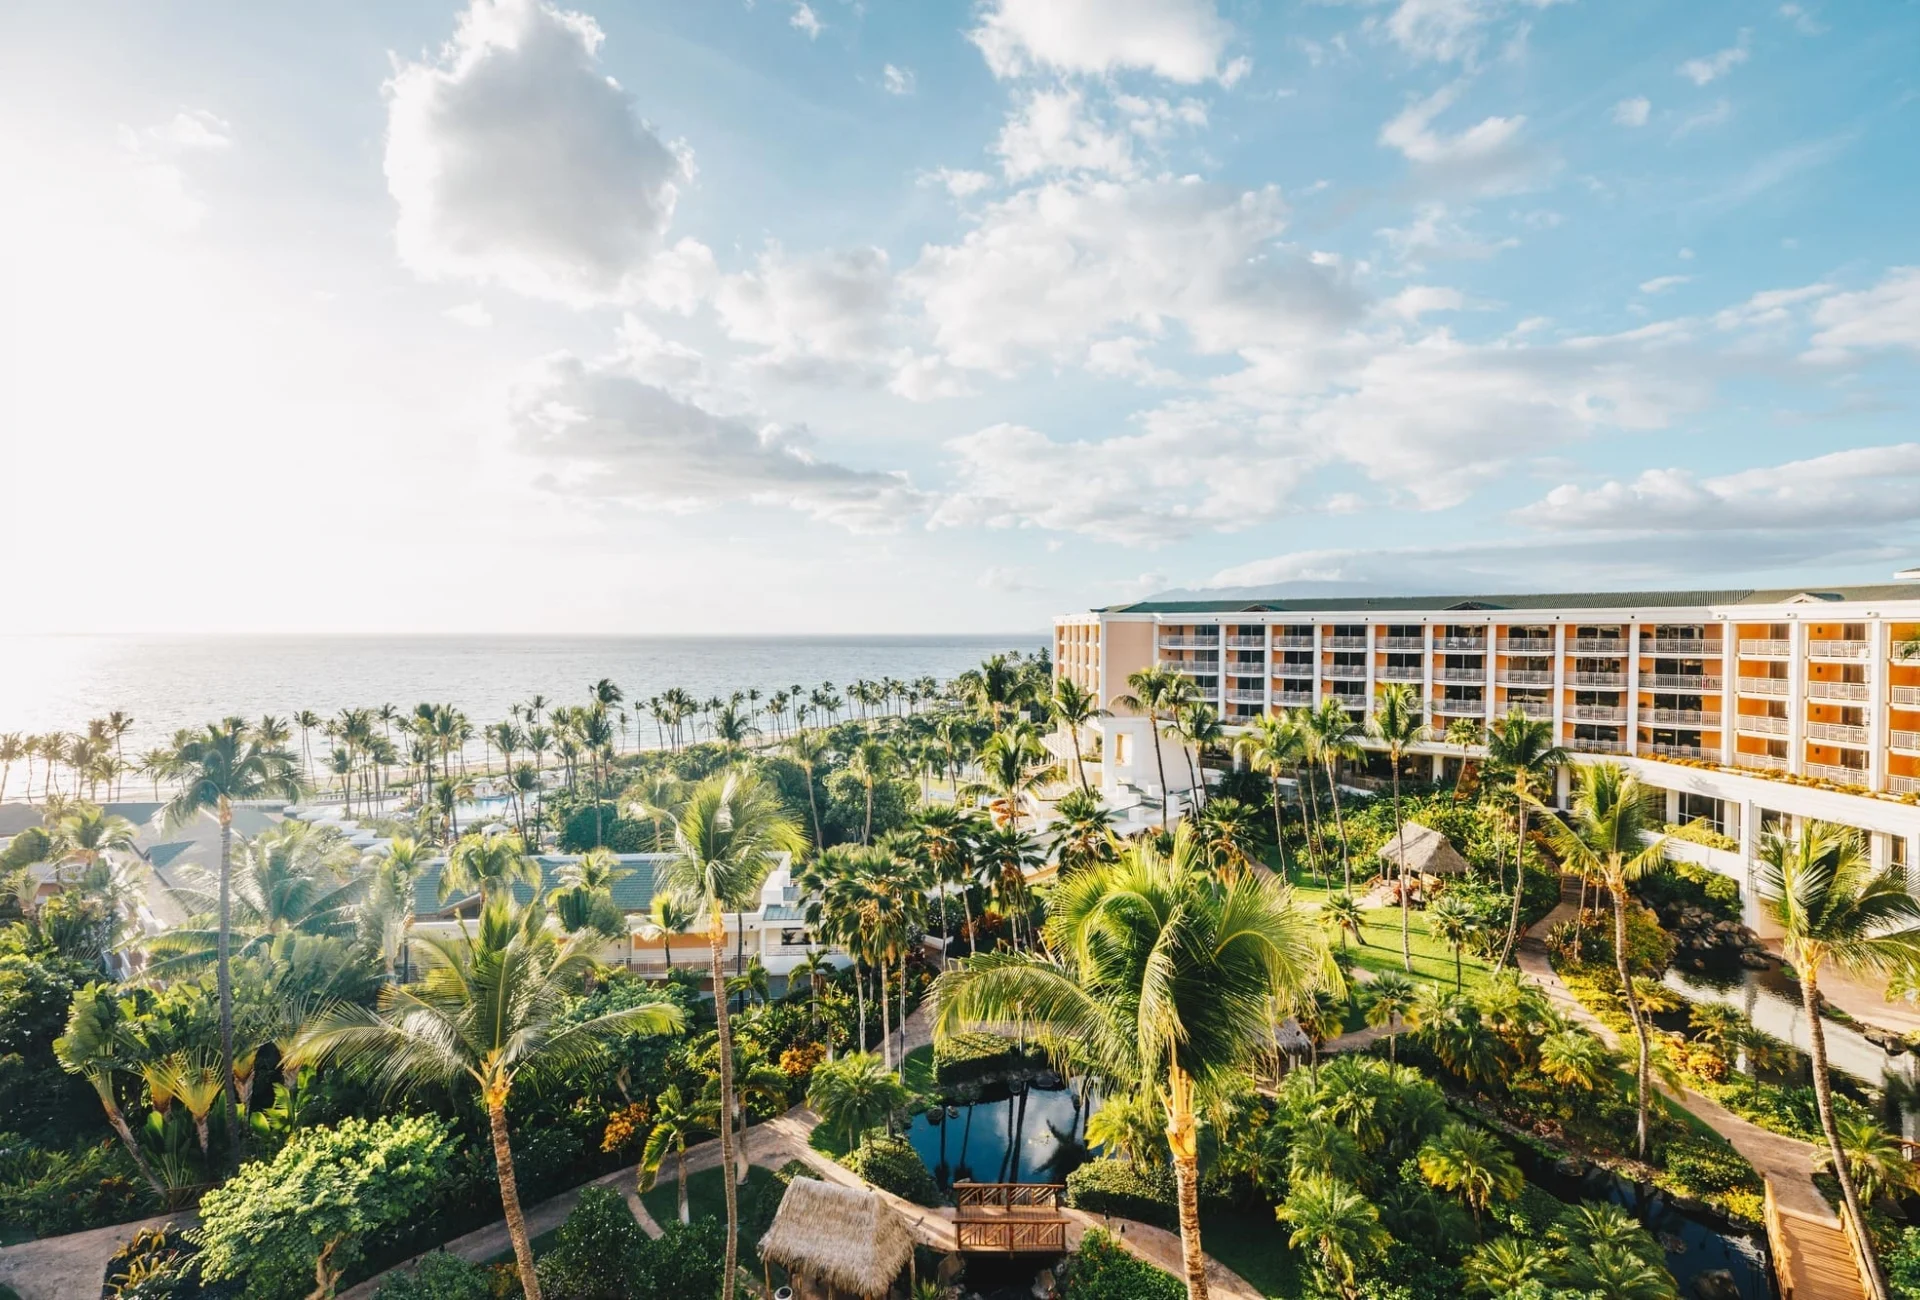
{"x": 1747, "y": 708}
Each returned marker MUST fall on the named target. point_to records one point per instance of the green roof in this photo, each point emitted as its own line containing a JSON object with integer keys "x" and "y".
{"x": 632, "y": 894}
{"x": 1523, "y": 603}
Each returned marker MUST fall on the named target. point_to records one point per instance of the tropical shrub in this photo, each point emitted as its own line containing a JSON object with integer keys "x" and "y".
{"x": 975, "y": 1058}
{"x": 307, "y": 1212}
{"x": 1688, "y": 884}
{"x": 596, "y": 1252}
{"x": 439, "y": 1276}
{"x": 684, "y": 1261}
{"x": 52, "y": 1192}
{"x": 1122, "y": 1190}
{"x": 161, "y": 1264}
{"x": 891, "y": 1164}
{"x": 1903, "y": 1266}
{"x": 1103, "y": 1270}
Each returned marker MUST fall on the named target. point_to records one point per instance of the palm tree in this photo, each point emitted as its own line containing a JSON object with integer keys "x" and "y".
{"x": 732, "y": 828}
{"x": 1330, "y": 732}
{"x": 13, "y": 748}
{"x": 855, "y": 1095}
{"x": 1468, "y": 1160}
{"x": 1494, "y": 1268}
{"x": 217, "y": 768}
{"x": 809, "y": 749}
{"x": 870, "y": 763}
{"x": 1270, "y": 746}
{"x": 84, "y": 835}
{"x": 1389, "y": 997}
{"x": 1610, "y": 839}
{"x": 1013, "y": 764}
{"x": 97, "y": 1045}
{"x": 1876, "y": 1160}
{"x": 813, "y": 967}
{"x": 1196, "y": 725}
{"x": 1834, "y": 908}
{"x": 1151, "y": 691}
{"x": 493, "y": 1009}
{"x": 672, "y": 915}
{"x": 1452, "y": 923}
{"x": 1522, "y": 750}
{"x": 676, "y": 1118}
{"x": 488, "y": 865}
{"x": 1397, "y": 726}
{"x": 1337, "y": 1221}
{"x": 1072, "y": 706}
{"x": 1574, "y": 1058}
{"x": 1342, "y": 914}
{"x": 1159, "y": 976}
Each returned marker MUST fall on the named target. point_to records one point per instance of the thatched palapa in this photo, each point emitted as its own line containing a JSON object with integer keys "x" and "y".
{"x": 1429, "y": 853}
{"x": 837, "y": 1240}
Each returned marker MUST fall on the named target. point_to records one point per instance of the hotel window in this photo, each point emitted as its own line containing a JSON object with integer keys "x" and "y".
{"x": 793, "y": 938}
{"x": 1123, "y": 749}
{"x": 1701, "y": 808}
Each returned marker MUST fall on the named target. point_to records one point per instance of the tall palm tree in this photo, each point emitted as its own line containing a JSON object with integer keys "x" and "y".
{"x": 1389, "y": 997}
{"x": 1522, "y": 750}
{"x": 1469, "y": 1161}
{"x": 672, "y": 915}
{"x": 1270, "y": 746}
{"x": 1072, "y": 706}
{"x": 13, "y": 748}
{"x": 1013, "y": 764}
{"x": 1161, "y": 976}
{"x": 729, "y": 834}
{"x": 1196, "y": 725}
{"x": 492, "y": 1009}
{"x": 1834, "y": 908}
{"x": 488, "y": 865}
{"x": 85, "y": 834}
{"x": 1396, "y": 725}
{"x": 676, "y": 1118}
{"x": 1152, "y": 691}
{"x": 809, "y": 749}
{"x": 1452, "y": 923}
{"x": 217, "y": 768}
{"x": 98, "y": 1044}
{"x": 1610, "y": 839}
{"x": 1336, "y": 1220}
{"x": 1330, "y": 732}
{"x": 871, "y": 763}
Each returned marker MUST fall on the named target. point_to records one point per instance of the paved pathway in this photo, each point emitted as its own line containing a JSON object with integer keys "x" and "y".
{"x": 60, "y": 1268}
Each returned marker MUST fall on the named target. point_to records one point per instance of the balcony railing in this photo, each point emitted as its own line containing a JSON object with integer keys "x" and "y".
{"x": 1759, "y": 724}
{"x": 1837, "y": 775}
{"x": 1527, "y": 645}
{"x": 1189, "y": 643}
{"x": 1679, "y": 751}
{"x": 1904, "y": 784}
{"x": 1525, "y": 677}
{"x": 1401, "y": 673}
{"x": 1247, "y": 697}
{"x": 1344, "y": 672}
{"x": 1467, "y": 676}
{"x": 1907, "y": 742}
{"x": 1461, "y": 708}
{"x": 1596, "y": 713}
{"x": 1343, "y": 643}
{"x": 1696, "y": 717}
{"x": 1597, "y": 645}
{"x": 1597, "y": 679}
{"x": 1476, "y": 644}
{"x": 1293, "y": 699}
{"x": 1837, "y": 690}
{"x": 1765, "y": 762}
{"x": 1838, "y": 649}
{"x": 1839, "y": 732}
{"x": 1907, "y": 696}
{"x": 1679, "y": 645}
{"x": 1400, "y": 643}
{"x": 1683, "y": 682}
{"x": 1761, "y": 648}
{"x": 1246, "y": 643}
{"x": 1765, "y": 686}
{"x": 1589, "y": 745}
{"x": 1292, "y": 641}
{"x": 1532, "y": 709}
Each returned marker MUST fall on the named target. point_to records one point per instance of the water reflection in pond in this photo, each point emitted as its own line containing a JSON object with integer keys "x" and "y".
{"x": 1034, "y": 1137}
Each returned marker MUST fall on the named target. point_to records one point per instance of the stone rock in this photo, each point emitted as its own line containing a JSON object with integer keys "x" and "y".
{"x": 1715, "y": 1284}
{"x": 1571, "y": 1167}
{"x": 1754, "y": 961}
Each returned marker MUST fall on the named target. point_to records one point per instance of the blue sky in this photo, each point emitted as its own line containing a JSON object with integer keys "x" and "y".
{"x": 919, "y": 316}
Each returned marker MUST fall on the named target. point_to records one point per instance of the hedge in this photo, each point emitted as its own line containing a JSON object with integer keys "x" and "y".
{"x": 891, "y": 1164}
{"x": 1103, "y": 1270}
{"x": 977, "y": 1057}
{"x": 1125, "y": 1191}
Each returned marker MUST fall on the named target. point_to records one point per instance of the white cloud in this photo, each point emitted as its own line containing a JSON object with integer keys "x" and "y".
{"x": 1718, "y": 113}
{"x": 156, "y": 177}
{"x": 1662, "y": 283}
{"x": 1008, "y": 579}
{"x": 1052, "y": 131}
{"x": 1432, "y": 234}
{"x": 1047, "y": 270}
{"x": 831, "y": 308}
{"x": 1451, "y": 30}
{"x": 514, "y": 159}
{"x": 1632, "y": 112}
{"x": 1486, "y": 156}
{"x": 896, "y": 80}
{"x": 1181, "y": 40}
{"x": 1863, "y": 486}
{"x": 192, "y": 128}
{"x": 1416, "y": 300}
{"x": 960, "y": 184}
{"x": 474, "y": 315}
{"x": 803, "y": 19}
{"x": 599, "y": 432}
{"x": 676, "y": 279}
{"x": 1712, "y": 67}
{"x": 1124, "y": 358}
{"x": 1887, "y": 315}
{"x": 1803, "y": 19}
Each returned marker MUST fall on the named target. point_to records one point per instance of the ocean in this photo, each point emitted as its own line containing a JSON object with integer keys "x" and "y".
{"x": 50, "y": 683}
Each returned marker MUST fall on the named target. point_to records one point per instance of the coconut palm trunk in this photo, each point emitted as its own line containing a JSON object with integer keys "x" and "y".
{"x": 1183, "y": 1140}
{"x": 1406, "y": 899}
{"x": 1339, "y": 825}
{"x": 1279, "y": 828}
{"x": 717, "y": 943}
{"x": 510, "y": 1196}
{"x": 1519, "y": 878}
{"x": 1823, "y": 1101}
{"x": 224, "y": 981}
{"x": 886, "y": 1029}
{"x": 1619, "y": 891}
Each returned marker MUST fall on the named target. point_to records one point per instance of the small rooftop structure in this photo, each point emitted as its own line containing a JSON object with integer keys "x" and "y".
{"x": 1428, "y": 852}
{"x": 836, "y": 1242}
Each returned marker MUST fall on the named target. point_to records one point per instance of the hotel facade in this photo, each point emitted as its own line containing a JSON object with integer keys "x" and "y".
{"x": 1746, "y": 708}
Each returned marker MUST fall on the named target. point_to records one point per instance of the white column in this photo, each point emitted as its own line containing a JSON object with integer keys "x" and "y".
{"x": 1879, "y": 652}
{"x": 1318, "y": 685}
{"x": 1729, "y": 693}
{"x": 1369, "y": 625}
{"x": 1633, "y": 688}
{"x": 1426, "y": 677}
{"x": 1487, "y": 691}
{"x": 1797, "y": 697}
{"x": 1266, "y": 683}
{"x": 1560, "y": 733}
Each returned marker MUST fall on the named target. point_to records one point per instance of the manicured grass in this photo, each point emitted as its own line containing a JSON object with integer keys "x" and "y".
{"x": 920, "y": 1070}
{"x": 1253, "y": 1244}
{"x": 706, "y": 1199}
{"x": 828, "y": 1143}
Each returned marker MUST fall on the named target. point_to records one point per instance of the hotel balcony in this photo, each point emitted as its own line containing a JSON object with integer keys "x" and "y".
{"x": 1837, "y": 775}
{"x": 1246, "y": 643}
{"x": 1907, "y": 742}
{"x": 1765, "y": 649}
{"x": 1246, "y": 697}
{"x": 1189, "y": 643}
{"x": 1527, "y": 645}
{"x": 1839, "y": 733}
{"x": 1679, "y": 645}
{"x": 1401, "y": 673}
{"x": 1615, "y": 680}
{"x": 1906, "y": 696}
{"x": 1764, "y": 762}
{"x": 1589, "y": 745}
{"x": 1465, "y": 676}
{"x": 1596, "y": 713}
{"x": 1759, "y": 724}
{"x": 1351, "y": 703}
{"x": 1765, "y": 686}
{"x": 1838, "y": 649}
{"x": 1680, "y": 751}
{"x": 1344, "y": 672}
{"x": 1293, "y": 699}
{"x": 1686, "y": 683}
{"x": 1613, "y": 647}
{"x": 1525, "y": 677}
{"x": 1837, "y": 690}
{"x": 1904, "y": 784}
{"x": 1343, "y": 643}
{"x": 1476, "y": 644}
{"x": 1292, "y": 640}
{"x": 1532, "y": 708}
{"x": 1693, "y": 717}
{"x": 1461, "y": 708}
{"x": 1401, "y": 643}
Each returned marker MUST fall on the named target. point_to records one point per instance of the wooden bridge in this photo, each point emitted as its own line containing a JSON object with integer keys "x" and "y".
{"x": 1010, "y": 1218}
{"x": 1814, "y": 1258}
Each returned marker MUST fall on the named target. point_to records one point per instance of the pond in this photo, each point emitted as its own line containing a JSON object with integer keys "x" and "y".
{"x": 1034, "y": 1136}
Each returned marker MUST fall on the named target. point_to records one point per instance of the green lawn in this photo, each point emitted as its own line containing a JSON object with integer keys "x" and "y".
{"x": 706, "y": 1199}
{"x": 920, "y": 1070}
{"x": 1253, "y": 1244}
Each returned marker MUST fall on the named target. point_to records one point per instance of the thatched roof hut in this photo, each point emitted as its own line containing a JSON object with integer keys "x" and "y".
{"x": 1429, "y": 853}
{"x": 837, "y": 1241}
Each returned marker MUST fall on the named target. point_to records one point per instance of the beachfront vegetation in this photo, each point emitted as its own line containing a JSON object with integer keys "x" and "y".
{"x": 1315, "y": 1065}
